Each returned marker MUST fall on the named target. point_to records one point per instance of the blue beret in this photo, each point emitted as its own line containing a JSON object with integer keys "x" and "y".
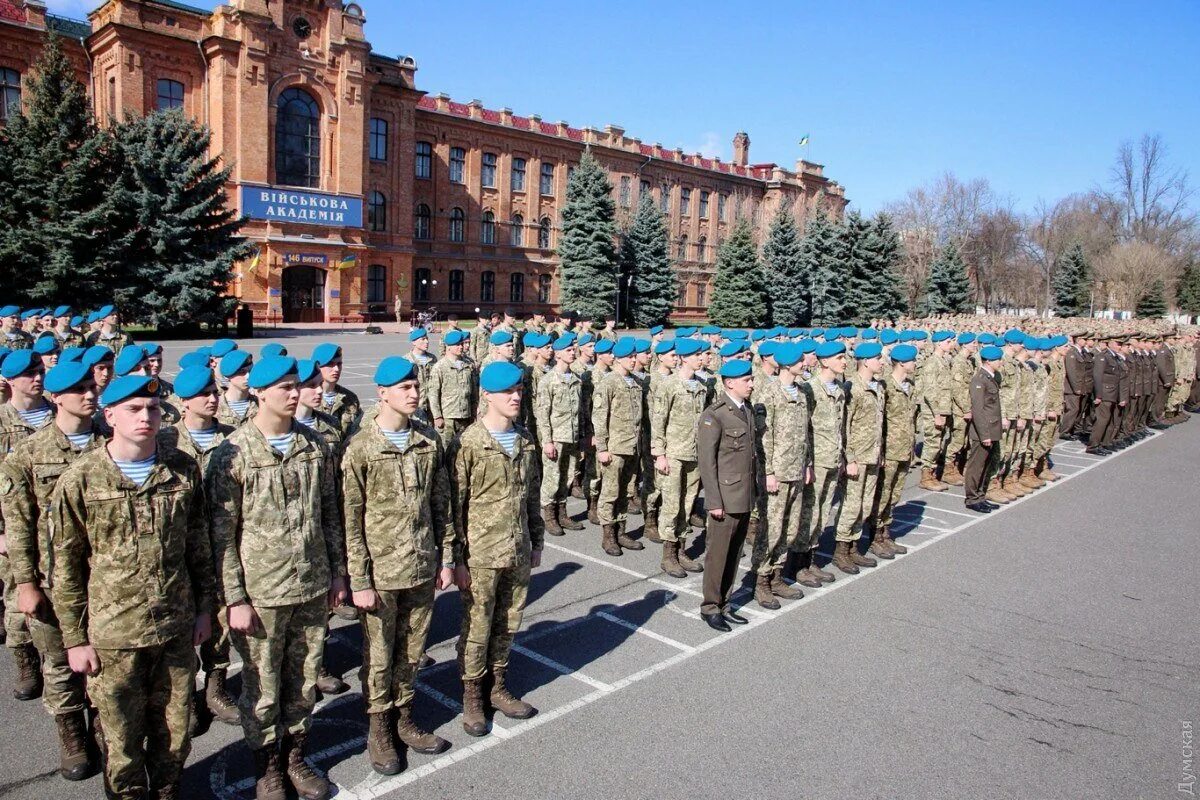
{"x": 731, "y": 349}
{"x": 152, "y": 348}
{"x": 1036, "y": 344}
{"x": 757, "y": 336}
{"x": 96, "y": 354}
{"x": 683, "y": 333}
{"x": 193, "y": 359}
{"x": 623, "y": 348}
{"x": 235, "y": 361}
{"x": 76, "y": 321}
{"x": 830, "y": 349}
{"x": 867, "y": 334}
{"x": 768, "y": 349}
{"x": 127, "y": 387}
{"x": 656, "y": 329}
{"x": 737, "y": 368}
{"x": 918, "y": 336}
{"x": 564, "y": 341}
{"x": 105, "y": 311}
{"x": 689, "y": 347}
{"x": 192, "y": 381}
{"x": 63, "y": 311}
{"x": 868, "y": 350}
{"x": 991, "y": 353}
{"x": 788, "y": 354}
{"x": 796, "y": 333}
{"x": 500, "y": 338}
{"x": 832, "y": 335}
{"x": 10, "y": 311}
{"x": 66, "y": 376}
{"x": 1060, "y": 340}
{"x": 904, "y": 353}
{"x": 417, "y": 333}
{"x": 709, "y": 330}
{"x": 20, "y": 362}
{"x": 641, "y": 345}
{"x": 271, "y": 370}
{"x": 129, "y": 358}
{"x": 325, "y": 353}
{"x": 222, "y": 347}
{"x": 500, "y": 376}
{"x": 92, "y": 318}
{"x": 534, "y": 340}
{"x": 586, "y": 339}
{"x": 966, "y": 337}
{"x": 71, "y": 354}
{"x": 455, "y": 337}
{"x": 734, "y": 335}
{"x": 889, "y": 336}
{"x": 987, "y": 338}
{"x": 665, "y": 346}
{"x": 815, "y": 332}
{"x": 941, "y": 336}
{"x": 306, "y": 370}
{"x": 393, "y": 370}
{"x": 1013, "y": 336}
{"x": 31, "y": 312}
{"x": 807, "y": 345}
{"x": 604, "y": 346}
{"x": 272, "y": 349}
{"x": 45, "y": 345}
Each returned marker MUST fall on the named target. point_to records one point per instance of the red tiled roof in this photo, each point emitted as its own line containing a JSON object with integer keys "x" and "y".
{"x": 8, "y": 10}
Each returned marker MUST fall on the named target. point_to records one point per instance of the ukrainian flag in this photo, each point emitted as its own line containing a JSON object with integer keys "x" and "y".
{"x": 253, "y": 267}
{"x": 804, "y": 140}
{"x": 349, "y": 261}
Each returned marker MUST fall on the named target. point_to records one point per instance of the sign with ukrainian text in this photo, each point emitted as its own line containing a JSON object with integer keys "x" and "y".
{"x": 306, "y": 208}
{"x": 306, "y": 259}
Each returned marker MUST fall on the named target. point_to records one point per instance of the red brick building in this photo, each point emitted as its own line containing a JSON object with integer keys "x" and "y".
{"x": 359, "y": 186}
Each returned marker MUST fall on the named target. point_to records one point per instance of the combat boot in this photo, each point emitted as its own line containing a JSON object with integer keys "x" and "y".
{"x": 1013, "y": 486}
{"x": 1029, "y": 480}
{"x": 624, "y": 541}
{"x": 930, "y": 482}
{"x": 220, "y": 703}
{"x": 996, "y": 493}
{"x": 859, "y": 559}
{"x": 171, "y": 791}
{"x": 307, "y": 783}
{"x": 269, "y": 783}
{"x": 28, "y": 685}
{"x": 842, "y": 560}
{"x": 695, "y": 520}
{"x": 327, "y": 683}
{"x": 762, "y": 593}
{"x": 505, "y": 701}
{"x": 951, "y": 475}
{"x": 1043, "y": 470}
{"x": 474, "y": 720}
{"x": 804, "y": 574}
{"x": 670, "y": 560}
{"x": 650, "y": 529}
{"x": 550, "y": 518}
{"x": 73, "y": 761}
{"x": 780, "y": 588}
{"x": 823, "y": 575}
{"x": 381, "y": 748}
{"x": 608, "y": 539}
{"x": 416, "y": 737}
{"x": 880, "y": 546}
{"x": 591, "y": 514}
{"x": 564, "y": 519}
{"x": 897, "y": 548}
{"x": 576, "y": 489}
{"x": 686, "y": 562}
{"x": 635, "y": 505}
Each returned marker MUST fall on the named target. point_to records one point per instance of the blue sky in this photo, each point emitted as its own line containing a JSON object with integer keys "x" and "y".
{"x": 1033, "y": 96}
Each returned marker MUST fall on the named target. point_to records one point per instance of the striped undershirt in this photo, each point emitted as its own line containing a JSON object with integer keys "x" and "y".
{"x": 37, "y": 417}
{"x": 308, "y": 422}
{"x": 398, "y": 438}
{"x": 238, "y": 407}
{"x": 203, "y": 439}
{"x": 792, "y": 390}
{"x": 79, "y": 440}
{"x": 137, "y": 471}
{"x": 282, "y": 444}
{"x": 506, "y": 439}
{"x": 329, "y": 397}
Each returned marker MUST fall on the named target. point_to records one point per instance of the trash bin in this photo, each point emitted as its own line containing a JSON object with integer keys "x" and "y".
{"x": 245, "y": 323}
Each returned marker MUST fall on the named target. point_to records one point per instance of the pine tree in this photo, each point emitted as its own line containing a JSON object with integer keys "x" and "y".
{"x": 587, "y": 248}
{"x": 822, "y": 252}
{"x": 948, "y": 290}
{"x": 179, "y": 235}
{"x": 55, "y": 211}
{"x": 739, "y": 296}
{"x": 885, "y": 298}
{"x": 1153, "y": 303}
{"x": 784, "y": 267}
{"x": 646, "y": 265}
{"x": 1187, "y": 297}
{"x": 855, "y": 234}
{"x": 1072, "y": 283}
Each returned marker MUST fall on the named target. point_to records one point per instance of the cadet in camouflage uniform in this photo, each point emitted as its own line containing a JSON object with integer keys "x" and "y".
{"x": 558, "y": 410}
{"x": 10, "y": 326}
{"x": 396, "y": 502}
{"x": 277, "y": 533}
{"x": 424, "y": 362}
{"x": 132, "y": 587}
{"x": 535, "y": 362}
{"x": 109, "y": 333}
{"x": 498, "y": 540}
{"x": 616, "y": 420}
{"x": 864, "y": 446}
{"x": 899, "y": 440}
{"x": 1055, "y": 353}
{"x": 1039, "y": 378}
{"x": 27, "y": 479}
{"x": 479, "y": 343}
{"x": 1009, "y": 373}
{"x": 962, "y": 370}
{"x": 937, "y": 406}
{"x": 828, "y": 441}
{"x": 638, "y": 486}
{"x": 663, "y": 364}
{"x": 452, "y": 389}
{"x": 236, "y": 406}
{"x": 336, "y": 400}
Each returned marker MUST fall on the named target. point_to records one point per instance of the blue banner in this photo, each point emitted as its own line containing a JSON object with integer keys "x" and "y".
{"x": 305, "y": 208}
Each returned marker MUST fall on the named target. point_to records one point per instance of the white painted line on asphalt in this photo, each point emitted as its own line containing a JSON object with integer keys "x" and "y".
{"x": 644, "y": 631}
{"x": 605, "y": 563}
{"x": 938, "y": 509}
{"x": 562, "y": 669}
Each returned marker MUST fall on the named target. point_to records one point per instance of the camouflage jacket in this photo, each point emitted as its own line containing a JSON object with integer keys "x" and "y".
{"x": 675, "y": 416}
{"x": 1056, "y": 384}
{"x": 900, "y": 420}
{"x": 558, "y": 407}
{"x": 117, "y": 342}
{"x": 937, "y": 385}
{"x": 479, "y": 345}
{"x": 131, "y": 565}
{"x": 345, "y": 408}
{"x": 424, "y": 368}
{"x": 330, "y": 431}
{"x": 225, "y": 415}
{"x": 497, "y": 519}
{"x": 617, "y": 415}
{"x": 1008, "y": 371}
{"x": 277, "y": 528}
{"x": 396, "y": 507}
{"x": 962, "y": 370}
{"x": 534, "y": 373}
{"x": 1027, "y": 394}
{"x": 787, "y": 440}
{"x": 14, "y": 430}
{"x": 453, "y": 389}
{"x": 17, "y": 340}
{"x": 864, "y": 421}
{"x": 27, "y": 479}
{"x": 177, "y": 436}
{"x": 828, "y": 422}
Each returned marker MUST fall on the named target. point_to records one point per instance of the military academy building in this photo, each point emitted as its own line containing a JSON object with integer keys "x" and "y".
{"x": 359, "y": 186}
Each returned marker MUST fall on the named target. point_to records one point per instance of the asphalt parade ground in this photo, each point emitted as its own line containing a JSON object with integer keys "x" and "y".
{"x": 1046, "y": 650}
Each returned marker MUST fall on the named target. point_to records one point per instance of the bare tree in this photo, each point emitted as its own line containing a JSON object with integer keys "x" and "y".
{"x": 1150, "y": 197}
{"x": 1051, "y": 229}
{"x": 1128, "y": 270}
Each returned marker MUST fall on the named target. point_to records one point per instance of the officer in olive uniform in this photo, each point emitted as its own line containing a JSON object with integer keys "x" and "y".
{"x": 985, "y": 430}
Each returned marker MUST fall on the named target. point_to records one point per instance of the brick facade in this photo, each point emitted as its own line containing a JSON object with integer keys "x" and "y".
{"x": 454, "y": 244}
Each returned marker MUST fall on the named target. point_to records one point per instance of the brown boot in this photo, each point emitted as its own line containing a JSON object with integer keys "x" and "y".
{"x": 381, "y": 748}
{"x": 550, "y": 519}
{"x": 762, "y": 593}
{"x": 269, "y": 783}
{"x": 823, "y": 575}
{"x": 220, "y": 703}
{"x": 930, "y": 482}
{"x": 804, "y": 574}
{"x": 696, "y": 520}
{"x": 951, "y": 475}
{"x": 880, "y": 546}
{"x": 28, "y": 685}
{"x": 650, "y": 529}
{"x": 416, "y": 737}
{"x": 608, "y": 539}
{"x": 685, "y": 561}
{"x": 307, "y": 783}
{"x": 592, "y": 518}
{"x": 505, "y": 701}
{"x": 859, "y": 559}
{"x": 73, "y": 761}
{"x": 842, "y": 560}
{"x": 474, "y": 719}
{"x": 564, "y": 519}
{"x": 328, "y": 683}
{"x": 1044, "y": 472}
{"x": 780, "y": 588}
{"x": 996, "y": 493}
{"x": 576, "y": 489}
{"x": 670, "y": 560}
{"x": 635, "y": 505}
{"x": 624, "y": 540}
{"x": 897, "y": 548}
{"x": 1029, "y": 480}
{"x": 1013, "y": 486}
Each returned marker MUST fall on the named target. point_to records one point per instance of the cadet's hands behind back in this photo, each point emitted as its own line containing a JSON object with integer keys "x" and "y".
{"x": 83, "y": 659}
{"x": 243, "y": 618}
{"x": 367, "y": 599}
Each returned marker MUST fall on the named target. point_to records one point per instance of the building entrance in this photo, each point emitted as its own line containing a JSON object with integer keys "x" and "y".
{"x": 303, "y": 294}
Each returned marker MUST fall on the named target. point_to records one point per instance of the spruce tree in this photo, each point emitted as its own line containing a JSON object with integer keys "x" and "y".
{"x": 822, "y": 252}
{"x": 587, "y": 249}
{"x": 885, "y": 297}
{"x": 179, "y": 234}
{"x": 739, "y": 296}
{"x": 948, "y": 291}
{"x": 784, "y": 267}
{"x": 646, "y": 265}
{"x": 1153, "y": 302}
{"x": 1072, "y": 283}
{"x": 855, "y": 234}
{"x": 1187, "y": 297}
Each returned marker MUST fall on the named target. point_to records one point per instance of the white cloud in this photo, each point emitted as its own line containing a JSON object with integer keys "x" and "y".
{"x": 710, "y": 146}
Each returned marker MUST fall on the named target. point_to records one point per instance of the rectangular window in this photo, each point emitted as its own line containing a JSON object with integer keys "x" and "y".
{"x": 379, "y": 139}
{"x": 701, "y": 294}
{"x": 456, "y": 285}
{"x": 421, "y": 281}
{"x": 664, "y": 199}
{"x": 487, "y": 172}
{"x": 10, "y": 94}
{"x": 643, "y": 189}
{"x": 376, "y": 284}
{"x": 704, "y": 205}
{"x": 112, "y": 97}
{"x": 487, "y": 286}
{"x": 487, "y": 228}
{"x": 544, "y": 288}
{"x": 685, "y": 201}
{"x": 458, "y": 165}
{"x": 516, "y": 288}
{"x": 423, "y": 166}
{"x": 170, "y": 95}
{"x": 518, "y": 174}
{"x": 720, "y": 208}
{"x": 547, "y": 186}
{"x": 682, "y": 300}
{"x": 626, "y": 186}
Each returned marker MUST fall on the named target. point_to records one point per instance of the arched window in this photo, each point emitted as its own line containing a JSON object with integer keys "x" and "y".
{"x": 682, "y": 252}
{"x": 516, "y": 288}
{"x": 487, "y": 286}
{"x": 169, "y": 94}
{"x": 377, "y": 211}
{"x": 423, "y": 165}
{"x": 10, "y": 93}
{"x": 298, "y": 139}
{"x": 487, "y": 228}
{"x": 457, "y": 217}
{"x": 516, "y": 231}
{"x": 422, "y": 219}
{"x": 544, "y": 233}
{"x": 702, "y": 249}
{"x": 376, "y": 283}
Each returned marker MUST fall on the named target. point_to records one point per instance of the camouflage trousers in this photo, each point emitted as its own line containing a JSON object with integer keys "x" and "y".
{"x": 1046, "y": 437}
{"x": 452, "y": 428}
{"x": 857, "y": 498}
{"x": 890, "y": 486}
{"x": 280, "y": 664}
{"x": 1012, "y": 445}
{"x": 393, "y": 642}
{"x": 819, "y": 512}
{"x": 958, "y": 436}
{"x": 1178, "y": 395}
{"x": 651, "y": 493}
{"x": 491, "y": 617}
{"x": 1033, "y": 431}
{"x": 679, "y": 488}
{"x": 63, "y": 690}
{"x": 591, "y": 472}
{"x": 615, "y": 477}
{"x": 214, "y": 654}
{"x": 558, "y": 473}
{"x": 14, "y": 621}
{"x": 784, "y": 511}
{"x": 936, "y": 440}
{"x": 144, "y": 697}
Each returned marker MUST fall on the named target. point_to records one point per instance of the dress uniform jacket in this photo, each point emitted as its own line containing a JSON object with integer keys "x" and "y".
{"x": 1106, "y": 376}
{"x": 728, "y": 456}
{"x": 986, "y": 422}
